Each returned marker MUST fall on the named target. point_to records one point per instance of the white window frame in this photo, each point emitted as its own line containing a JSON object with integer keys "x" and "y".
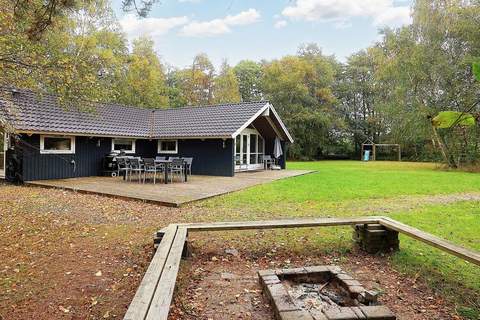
{"x": 159, "y": 147}
{"x": 42, "y": 145}
{"x": 126, "y": 151}
{"x": 247, "y": 165}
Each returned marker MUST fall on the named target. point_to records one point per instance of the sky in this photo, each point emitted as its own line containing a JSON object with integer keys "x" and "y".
{"x": 264, "y": 29}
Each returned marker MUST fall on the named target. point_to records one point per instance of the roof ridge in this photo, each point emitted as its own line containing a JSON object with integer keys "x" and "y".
{"x": 106, "y": 103}
{"x": 213, "y": 105}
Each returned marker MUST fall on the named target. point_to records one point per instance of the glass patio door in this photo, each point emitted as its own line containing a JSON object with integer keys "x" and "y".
{"x": 249, "y": 148}
{"x": 3, "y": 149}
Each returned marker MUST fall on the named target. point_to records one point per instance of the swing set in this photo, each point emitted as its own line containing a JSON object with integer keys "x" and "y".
{"x": 369, "y": 150}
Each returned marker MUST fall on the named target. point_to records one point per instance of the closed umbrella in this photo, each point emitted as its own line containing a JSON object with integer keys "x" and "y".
{"x": 277, "y": 149}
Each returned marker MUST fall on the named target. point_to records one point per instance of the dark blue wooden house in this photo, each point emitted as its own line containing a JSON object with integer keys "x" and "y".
{"x": 47, "y": 141}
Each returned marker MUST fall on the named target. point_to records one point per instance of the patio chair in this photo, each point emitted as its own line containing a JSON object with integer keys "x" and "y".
{"x": 149, "y": 167}
{"x": 123, "y": 166}
{"x": 136, "y": 166}
{"x": 267, "y": 161}
{"x": 176, "y": 168}
{"x": 160, "y": 158}
{"x": 188, "y": 163}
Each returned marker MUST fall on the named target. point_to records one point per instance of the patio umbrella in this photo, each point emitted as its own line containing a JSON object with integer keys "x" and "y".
{"x": 277, "y": 149}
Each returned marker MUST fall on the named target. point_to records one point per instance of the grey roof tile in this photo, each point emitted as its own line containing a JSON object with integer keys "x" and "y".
{"x": 27, "y": 111}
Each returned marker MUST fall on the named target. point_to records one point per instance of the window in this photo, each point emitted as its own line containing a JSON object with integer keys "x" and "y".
{"x": 57, "y": 144}
{"x": 253, "y": 149}
{"x": 167, "y": 146}
{"x": 260, "y": 149}
{"x": 126, "y": 145}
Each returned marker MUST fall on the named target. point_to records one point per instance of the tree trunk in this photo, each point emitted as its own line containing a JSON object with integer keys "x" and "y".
{"x": 442, "y": 148}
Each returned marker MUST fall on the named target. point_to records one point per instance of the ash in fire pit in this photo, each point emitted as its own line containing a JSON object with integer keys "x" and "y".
{"x": 320, "y": 293}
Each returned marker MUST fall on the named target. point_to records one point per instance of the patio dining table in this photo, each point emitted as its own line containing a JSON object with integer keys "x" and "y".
{"x": 168, "y": 163}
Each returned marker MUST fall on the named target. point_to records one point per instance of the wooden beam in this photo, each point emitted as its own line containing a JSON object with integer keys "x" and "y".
{"x": 466, "y": 254}
{"x": 153, "y": 298}
{"x": 140, "y": 304}
{"x": 162, "y": 299}
{"x": 282, "y": 223}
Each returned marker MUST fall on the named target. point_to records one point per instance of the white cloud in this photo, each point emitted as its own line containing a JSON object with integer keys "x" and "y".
{"x": 154, "y": 27}
{"x": 382, "y": 12}
{"x": 221, "y": 25}
{"x": 280, "y": 24}
{"x": 393, "y": 16}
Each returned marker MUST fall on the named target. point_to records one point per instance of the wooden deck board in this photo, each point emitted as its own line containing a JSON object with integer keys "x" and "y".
{"x": 161, "y": 301}
{"x": 282, "y": 223}
{"x": 458, "y": 251}
{"x": 173, "y": 194}
{"x": 140, "y": 304}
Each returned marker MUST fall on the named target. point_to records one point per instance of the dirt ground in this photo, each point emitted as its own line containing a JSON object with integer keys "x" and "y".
{"x": 217, "y": 285}
{"x": 73, "y": 256}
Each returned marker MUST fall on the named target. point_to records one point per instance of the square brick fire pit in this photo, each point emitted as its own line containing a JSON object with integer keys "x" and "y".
{"x": 320, "y": 293}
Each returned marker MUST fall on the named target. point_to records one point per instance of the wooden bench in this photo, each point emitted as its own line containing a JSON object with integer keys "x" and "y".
{"x": 154, "y": 295}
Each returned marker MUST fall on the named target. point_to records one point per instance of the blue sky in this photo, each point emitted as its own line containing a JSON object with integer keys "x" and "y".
{"x": 256, "y": 30}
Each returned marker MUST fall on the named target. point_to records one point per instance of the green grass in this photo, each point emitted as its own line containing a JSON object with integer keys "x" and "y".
{"x": 405, "y": 191}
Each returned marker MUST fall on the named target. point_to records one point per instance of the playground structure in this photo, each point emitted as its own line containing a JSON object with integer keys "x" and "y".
{"x": 369, "y": 150}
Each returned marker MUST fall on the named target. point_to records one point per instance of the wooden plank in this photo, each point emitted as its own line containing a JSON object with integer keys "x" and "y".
{"x": 272, "y": 224}
{"x": 466, "y": 254}
{"x": 161, "y": 301}
{"x": 141, "y": 302}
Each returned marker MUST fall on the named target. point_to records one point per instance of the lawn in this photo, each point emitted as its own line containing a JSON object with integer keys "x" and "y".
{"x": 444, "y": 203}
{"x": 69, "y": 255}
{"x": 338, "y": 182}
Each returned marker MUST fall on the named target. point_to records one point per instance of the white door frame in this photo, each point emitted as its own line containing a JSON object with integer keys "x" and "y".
{"x": 4, "y": 148}
{"x": 246, "y": 165}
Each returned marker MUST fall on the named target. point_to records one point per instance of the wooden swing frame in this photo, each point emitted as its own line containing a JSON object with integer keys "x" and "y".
{"x": 374, "y": 149}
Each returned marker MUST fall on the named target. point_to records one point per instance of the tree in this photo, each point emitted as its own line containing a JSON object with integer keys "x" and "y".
{"x": 357, "y": 90}
{"x": 226, "y": 86}
{"x": 300, "y": 87}
{"x": 175, "y": 88}
{"x": 249, "y": 76}
{"x": 428, "y": 66}
{"x": 78, "y": 57}
{"x": 198, "y": 81}
{"x": 144, "y": 83}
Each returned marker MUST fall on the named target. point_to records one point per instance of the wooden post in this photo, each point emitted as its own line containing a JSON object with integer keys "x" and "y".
{"x": 399, "y": 153}
{"x": 374, "y": 152}
{"x": 361, "y": 152}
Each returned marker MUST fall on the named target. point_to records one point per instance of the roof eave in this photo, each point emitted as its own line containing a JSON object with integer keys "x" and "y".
{"x": 269, "y": 106}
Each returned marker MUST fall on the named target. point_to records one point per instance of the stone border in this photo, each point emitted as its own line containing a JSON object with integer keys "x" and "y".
{"x": 285, "y": 308}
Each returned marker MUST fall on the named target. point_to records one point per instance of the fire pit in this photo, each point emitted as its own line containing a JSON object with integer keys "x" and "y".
{"x": 320, "y": 293}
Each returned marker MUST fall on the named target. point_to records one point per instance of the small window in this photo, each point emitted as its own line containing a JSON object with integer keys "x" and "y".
{"x": 126, "y": 145}
{"x": 167, "y": 146}
{"x": 57, "y": 144}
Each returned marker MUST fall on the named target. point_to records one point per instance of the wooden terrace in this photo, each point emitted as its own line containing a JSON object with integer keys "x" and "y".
{"x": 174, "y": 194}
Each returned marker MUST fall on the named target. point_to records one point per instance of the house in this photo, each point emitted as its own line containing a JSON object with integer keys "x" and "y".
{"x": 53, "y": 142}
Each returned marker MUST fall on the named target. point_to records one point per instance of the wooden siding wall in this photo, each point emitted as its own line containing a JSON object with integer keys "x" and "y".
{"x": 88, "y": 159}
{"x": 209, "y": 156}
